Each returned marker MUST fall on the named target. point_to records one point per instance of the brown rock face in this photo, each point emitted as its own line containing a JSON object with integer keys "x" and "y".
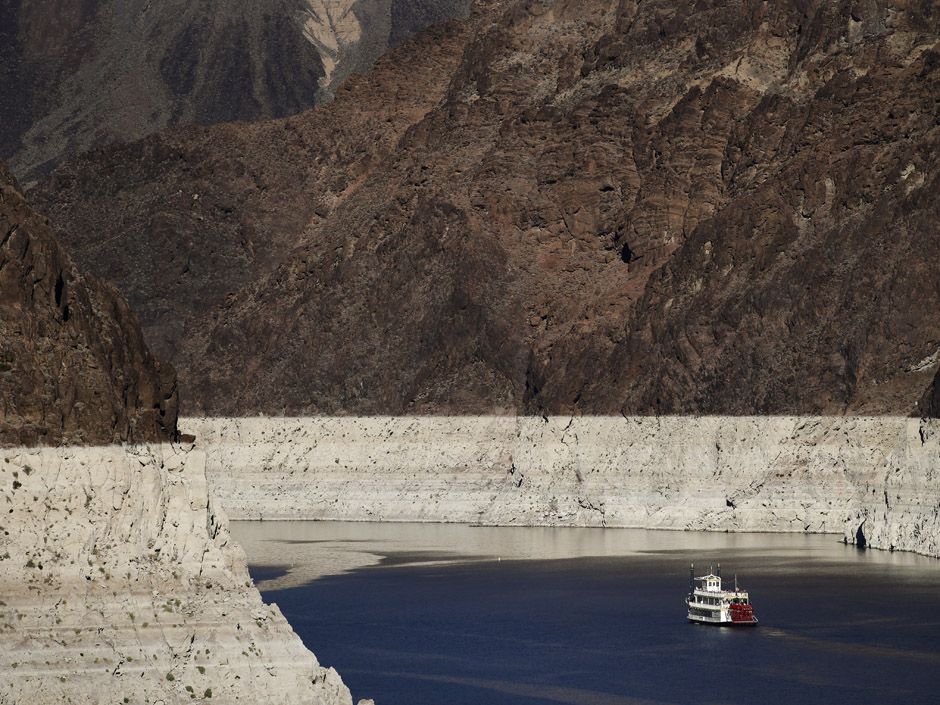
{"x": 212, "y": 210}
{"x": 586, "y": 207}
{"x": 73, "y": 364}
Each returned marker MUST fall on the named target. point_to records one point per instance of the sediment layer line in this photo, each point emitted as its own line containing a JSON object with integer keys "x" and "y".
{"x": 119, "y": 582}
{"x": 866, "y": 478}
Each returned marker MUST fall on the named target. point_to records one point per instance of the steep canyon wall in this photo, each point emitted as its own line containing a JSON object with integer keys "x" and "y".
{"x": 119, "y": 583}
{"x": 871, "y": 477}
{"x": 569, "y": 207}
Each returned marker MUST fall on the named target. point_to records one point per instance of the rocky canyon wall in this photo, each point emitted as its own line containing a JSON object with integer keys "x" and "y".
{"x": 860, "y": 477}
{"x": 119, "y": 583}
{"x": 568, "y": 207}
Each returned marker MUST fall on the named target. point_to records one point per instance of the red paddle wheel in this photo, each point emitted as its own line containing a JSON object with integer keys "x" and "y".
{"x": 742, "y": 614}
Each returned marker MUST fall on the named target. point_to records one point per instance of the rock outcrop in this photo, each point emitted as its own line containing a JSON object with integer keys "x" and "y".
{"x": 596, "y": 206}
{"x": 869, "y": 479}
{"x": 119, "y": 583}
{"x": 74, "y": 367}
{"x": 84, "y": 73}
{"x": 117, "y": 574}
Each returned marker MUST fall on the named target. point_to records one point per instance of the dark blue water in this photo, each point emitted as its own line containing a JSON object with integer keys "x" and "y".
{"x": 837, "y": 625}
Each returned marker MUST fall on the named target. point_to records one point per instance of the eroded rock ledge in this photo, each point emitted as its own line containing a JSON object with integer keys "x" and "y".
{"x": 119, "y": 583}
{"x": 871, "y": 477}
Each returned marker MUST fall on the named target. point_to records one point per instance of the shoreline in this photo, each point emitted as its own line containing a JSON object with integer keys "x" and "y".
{"x": 825, "y": 475}
{"x": 290, "y": 554}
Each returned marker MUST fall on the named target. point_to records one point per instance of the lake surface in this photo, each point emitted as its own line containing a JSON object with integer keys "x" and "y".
{"x": 457, "y": 615}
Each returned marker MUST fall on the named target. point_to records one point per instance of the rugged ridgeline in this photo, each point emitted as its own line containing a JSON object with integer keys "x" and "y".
{"x": 74, "y": 367}
{"x": 83, "y": 73}
{"x": 351, "y": 34}
{"x": 658, "y": 207}
{"x": 117, "y": 576}
{"x": 873, "y": 480}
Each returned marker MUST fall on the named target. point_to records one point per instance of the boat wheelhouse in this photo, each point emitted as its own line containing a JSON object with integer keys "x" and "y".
{"x": 710, "y": 603}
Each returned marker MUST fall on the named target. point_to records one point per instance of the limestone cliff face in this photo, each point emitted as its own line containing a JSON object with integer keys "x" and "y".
{"x": 74, "y": 367}
{"x": 871, "y": 478}
{"x": 78, "y": 74}
{"x": 119, "y": 583}
{"x": 602, "y": 206}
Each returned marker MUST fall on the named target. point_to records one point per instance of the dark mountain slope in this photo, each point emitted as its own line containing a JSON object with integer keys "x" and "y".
{"x": 208, "y": 210}
{"x": 73, "y": 364}
{"x": 77, "y": 74}
{"x": 658, "y": 207}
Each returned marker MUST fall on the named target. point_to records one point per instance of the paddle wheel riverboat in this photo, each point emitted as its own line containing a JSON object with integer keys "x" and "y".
{"x": 709, "y": 603}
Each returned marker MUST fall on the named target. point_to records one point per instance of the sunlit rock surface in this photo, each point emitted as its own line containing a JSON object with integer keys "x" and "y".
{"x": 119, "y": 583}
{"x": 871, "y": 477}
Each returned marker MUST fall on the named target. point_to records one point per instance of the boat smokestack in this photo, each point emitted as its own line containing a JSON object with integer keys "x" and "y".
{"x": 691, "y": 578}
{"x": 718, "y": 574}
